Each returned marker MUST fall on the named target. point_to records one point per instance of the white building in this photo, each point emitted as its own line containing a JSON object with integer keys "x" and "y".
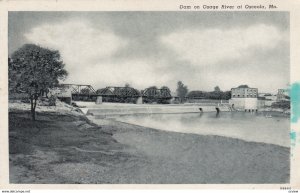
{"x": 244, "y": 98}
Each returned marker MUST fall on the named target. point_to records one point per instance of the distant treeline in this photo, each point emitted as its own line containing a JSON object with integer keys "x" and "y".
{"x": 217, "y": 95}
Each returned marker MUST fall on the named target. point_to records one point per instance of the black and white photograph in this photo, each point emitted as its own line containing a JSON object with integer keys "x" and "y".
{"x": 149, "y": 97}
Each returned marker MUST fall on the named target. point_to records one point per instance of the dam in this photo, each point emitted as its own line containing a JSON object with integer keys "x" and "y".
{"x": 107, "y": 109}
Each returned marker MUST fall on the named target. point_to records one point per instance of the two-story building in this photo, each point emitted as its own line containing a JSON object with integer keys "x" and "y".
{"x": 244, "y": 98}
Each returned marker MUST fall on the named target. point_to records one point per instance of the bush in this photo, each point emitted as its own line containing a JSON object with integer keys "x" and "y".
{"x": 282, "y": 105}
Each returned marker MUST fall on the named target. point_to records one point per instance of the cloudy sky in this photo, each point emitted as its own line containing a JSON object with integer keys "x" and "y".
{"x": 202, "y": 49}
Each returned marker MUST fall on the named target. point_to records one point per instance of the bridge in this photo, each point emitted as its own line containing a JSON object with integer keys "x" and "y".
{"x": 79, "y": 92}
{"x": 119, "y": 94}
{"x": 153, "y": 94}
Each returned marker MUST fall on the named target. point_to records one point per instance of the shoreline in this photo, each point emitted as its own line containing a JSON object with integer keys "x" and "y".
{"x": 70, "y": 148}
{"x": 131, "y": 126}
{"x": 266, "y": 131}
{"x": 158, "y": 143}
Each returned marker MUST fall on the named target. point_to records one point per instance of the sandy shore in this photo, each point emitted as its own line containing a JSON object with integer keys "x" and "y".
{"x": 190, "y": 158}
{"x": 72, "y": 149}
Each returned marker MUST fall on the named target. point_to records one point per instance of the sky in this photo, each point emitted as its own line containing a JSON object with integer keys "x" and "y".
{"x": 201, "y": 49}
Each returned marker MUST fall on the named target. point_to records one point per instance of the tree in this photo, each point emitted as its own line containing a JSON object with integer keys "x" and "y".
{"x": 281, "y": 104}
{"x": 85, "y": 91}
{"x": 215, "y": 95}
{"x": 34, "y": 70}
{"x": 181, "y": 90}
{"x": 196, "y": 94}
{"x": 127, "y": 85}
{"x": 153, "y": 87}
{"x": 217, "y": 89}
{"x": 226, "y": 95}
{"x": 166, "y": 88}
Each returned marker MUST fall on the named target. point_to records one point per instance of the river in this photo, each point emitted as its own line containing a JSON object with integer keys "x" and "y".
{"x": 255, "y": 127}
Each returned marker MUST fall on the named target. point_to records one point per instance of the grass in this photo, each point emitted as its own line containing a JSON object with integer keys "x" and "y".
{"x": 57, "y": 138}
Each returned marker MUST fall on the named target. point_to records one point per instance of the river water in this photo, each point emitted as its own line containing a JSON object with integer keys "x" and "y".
{"x": 241, "y": 125}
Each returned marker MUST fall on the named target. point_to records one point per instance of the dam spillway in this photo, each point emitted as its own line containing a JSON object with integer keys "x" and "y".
{"x": 127, "y": 109}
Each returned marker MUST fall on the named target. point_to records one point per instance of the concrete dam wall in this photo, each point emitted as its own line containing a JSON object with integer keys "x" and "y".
{"x": 155, "y": 109}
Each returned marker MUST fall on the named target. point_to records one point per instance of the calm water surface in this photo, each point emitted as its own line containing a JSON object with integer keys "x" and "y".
{"x": 250, "y": 127}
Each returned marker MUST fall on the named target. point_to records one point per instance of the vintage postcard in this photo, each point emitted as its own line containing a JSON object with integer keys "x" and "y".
{"x": 201, "y": 94}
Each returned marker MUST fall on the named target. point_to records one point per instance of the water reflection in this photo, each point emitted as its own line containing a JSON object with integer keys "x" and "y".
{"x": 200, "y": 114}
{"x": 243, "y": 125}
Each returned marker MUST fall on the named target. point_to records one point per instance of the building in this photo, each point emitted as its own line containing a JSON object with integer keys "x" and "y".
{"x": 268, "y": 98}
{"x": 244, "y": 92}
{"x": 282, "y": 95}
{"x": 244, "y": 98}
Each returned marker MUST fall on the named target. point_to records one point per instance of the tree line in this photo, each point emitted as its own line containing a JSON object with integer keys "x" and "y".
{"x": 213, "y": 95}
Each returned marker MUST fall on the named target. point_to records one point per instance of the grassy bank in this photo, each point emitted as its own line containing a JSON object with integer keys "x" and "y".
{"x": 68, "y": 148}
{"x": 38, "y": 149}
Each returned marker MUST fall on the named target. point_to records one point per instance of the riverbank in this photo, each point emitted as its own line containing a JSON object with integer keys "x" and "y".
{"x": 66, "y": 147}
